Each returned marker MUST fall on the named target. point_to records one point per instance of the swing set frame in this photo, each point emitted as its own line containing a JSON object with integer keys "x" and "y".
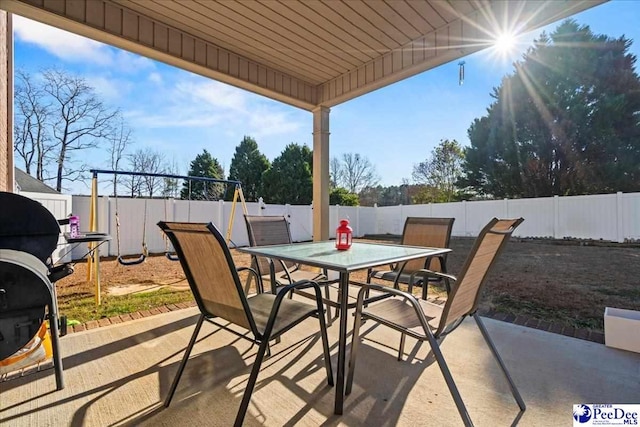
{"x": 93, "y": 263}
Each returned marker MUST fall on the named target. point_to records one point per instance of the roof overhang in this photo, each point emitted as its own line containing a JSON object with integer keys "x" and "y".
{"x": 306, "y": 54}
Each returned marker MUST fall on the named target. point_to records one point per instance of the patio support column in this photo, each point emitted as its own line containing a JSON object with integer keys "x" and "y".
{"x": 6, "y": 102}
{"x": 321, "y": 173}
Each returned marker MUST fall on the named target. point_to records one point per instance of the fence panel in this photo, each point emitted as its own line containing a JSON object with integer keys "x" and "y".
{"x": 390, "y": 219}
{"x": 367, "y": 223}
{"x": 451, "y": 210}
{"x": 300, "y": 222}
{"x": 630, "y": 217}
{"x": 586, "y": 217}
{"x": 608, "y": 216}
{"x": 478, "y": 214}
{"x": 538, "y": 216}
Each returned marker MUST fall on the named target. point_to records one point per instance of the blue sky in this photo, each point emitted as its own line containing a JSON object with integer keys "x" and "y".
{"x": 180, "y": 114}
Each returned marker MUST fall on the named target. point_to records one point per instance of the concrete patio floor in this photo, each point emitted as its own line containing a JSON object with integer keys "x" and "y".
{"x": 120, "y": 374}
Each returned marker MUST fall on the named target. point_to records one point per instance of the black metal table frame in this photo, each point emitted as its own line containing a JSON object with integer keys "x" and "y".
{"x": 327, "y": 249}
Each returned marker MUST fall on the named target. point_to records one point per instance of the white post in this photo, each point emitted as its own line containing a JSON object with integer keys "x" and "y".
{"x": 556, "y": 217}
{"x": 464, "y": 218}
{"x": 221, "y": 223}
{"x": 619, "y": 217}
{"x": 375, "y": 217}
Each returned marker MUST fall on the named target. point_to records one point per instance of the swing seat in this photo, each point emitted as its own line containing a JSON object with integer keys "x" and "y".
{"x": 135, "y": 261}
{"x": 132, "y": 261}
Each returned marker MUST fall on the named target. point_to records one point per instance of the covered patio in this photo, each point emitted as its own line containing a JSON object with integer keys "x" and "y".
{"x": 312, "y": 55}
{"x": 120, "y": 374}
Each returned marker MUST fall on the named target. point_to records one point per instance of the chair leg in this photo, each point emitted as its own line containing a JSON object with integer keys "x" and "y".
{"x": 435, "y": 348}
{"x": 327, "y": 295}
{"x": 251, "y": 383}
{"x": 325, "y": 343}
{"x": 403, "y": 338}
{"x": 494, "y": 350}
{"x": 185, "y": 358}
{"x": 355, "y": 344}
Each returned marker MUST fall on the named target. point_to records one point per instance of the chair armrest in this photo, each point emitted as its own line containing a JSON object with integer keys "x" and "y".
{"x": 429, "y": 273}
{"x": 424, "y": 273}
{"x": 259, "y": 285}
{"x": 410, "y": 298}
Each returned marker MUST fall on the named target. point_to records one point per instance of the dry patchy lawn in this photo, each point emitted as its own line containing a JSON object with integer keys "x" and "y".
{"x": 554, "y": 281}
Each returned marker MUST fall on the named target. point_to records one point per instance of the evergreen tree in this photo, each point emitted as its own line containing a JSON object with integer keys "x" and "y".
{"x": 247, "y": 166}
{"x": 341, "y": 196}
{"x": 565, "y": 123}
{"x": 205, "y": 166}
{"x": 289, "y": 180}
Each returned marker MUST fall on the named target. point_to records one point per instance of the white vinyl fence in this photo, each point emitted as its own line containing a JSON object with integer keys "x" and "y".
{"x": 613, "y": 217}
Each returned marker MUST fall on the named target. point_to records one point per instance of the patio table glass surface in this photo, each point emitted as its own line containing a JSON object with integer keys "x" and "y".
{"x": 358, "y": 257}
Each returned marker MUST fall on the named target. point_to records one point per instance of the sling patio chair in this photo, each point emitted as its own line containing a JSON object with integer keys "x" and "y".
{"x": 420, "y": 231}
{"x": 430, "y": 322}
{"x": 274, "y": 230}
{"x": 214, "y": 281}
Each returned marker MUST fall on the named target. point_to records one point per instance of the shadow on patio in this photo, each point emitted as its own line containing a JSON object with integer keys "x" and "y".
{"x": 120, "y": 374}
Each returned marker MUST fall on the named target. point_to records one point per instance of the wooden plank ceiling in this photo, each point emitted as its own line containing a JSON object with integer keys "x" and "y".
{"x": 306, "y": 53}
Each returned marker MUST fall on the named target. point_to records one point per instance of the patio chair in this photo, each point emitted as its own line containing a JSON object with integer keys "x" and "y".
{"x": 214, "y": 281}
{"x": 420, "y": 231}
{"x": 274, "y": 230}
{"x": 431, "y": 322}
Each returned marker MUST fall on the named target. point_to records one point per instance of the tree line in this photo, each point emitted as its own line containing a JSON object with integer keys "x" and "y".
{"x": 566, "y": 121}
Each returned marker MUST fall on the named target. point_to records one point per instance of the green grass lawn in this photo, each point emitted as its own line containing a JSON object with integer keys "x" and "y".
{"x": 84, "y": 309}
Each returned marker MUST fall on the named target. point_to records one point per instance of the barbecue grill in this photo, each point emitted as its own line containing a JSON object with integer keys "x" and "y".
{"x": 28, "y": 236}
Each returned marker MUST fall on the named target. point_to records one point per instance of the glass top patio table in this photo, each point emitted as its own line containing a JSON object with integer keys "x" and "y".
{"x": 360, "y": 256}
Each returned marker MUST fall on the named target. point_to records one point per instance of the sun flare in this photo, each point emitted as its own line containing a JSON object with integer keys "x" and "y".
{"x": 505, "y": 43}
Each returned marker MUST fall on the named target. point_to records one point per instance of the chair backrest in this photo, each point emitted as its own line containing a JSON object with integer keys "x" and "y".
{"x": 268, "y": 230}
{"x": 464, "y": 296}
{"x": 429, "y": 232}
{"x": 210, "y": 271}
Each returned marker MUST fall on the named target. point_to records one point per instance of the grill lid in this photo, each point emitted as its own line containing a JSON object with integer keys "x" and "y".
{"x": 26, "y": 225}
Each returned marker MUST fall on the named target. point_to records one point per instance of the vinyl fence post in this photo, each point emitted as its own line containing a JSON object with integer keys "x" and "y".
{"x": 619, "y": 217}
{"x": 556, "y": 217}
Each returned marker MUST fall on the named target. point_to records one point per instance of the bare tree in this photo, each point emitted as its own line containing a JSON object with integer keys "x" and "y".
{"x": 32, "y": 118}
{"x": 144, "y": 161}
{"x": 335, "y": 172}
{"x": 357, "y": 173}
{"x": 170, "y": 186}
{"x": 81, "y": 120}
{"x": 119, "y": 139}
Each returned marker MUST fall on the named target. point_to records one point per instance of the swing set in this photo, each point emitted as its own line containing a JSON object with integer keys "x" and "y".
{"x": 93, "y": 270}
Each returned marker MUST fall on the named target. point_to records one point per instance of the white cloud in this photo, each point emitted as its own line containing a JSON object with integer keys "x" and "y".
{"x": 197, "y": 103}
{"x": 131, "y": 63}
{"x": 111, "y": 89}
{"x": 64, "y": 45}
{"x": 155, "y": 78}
